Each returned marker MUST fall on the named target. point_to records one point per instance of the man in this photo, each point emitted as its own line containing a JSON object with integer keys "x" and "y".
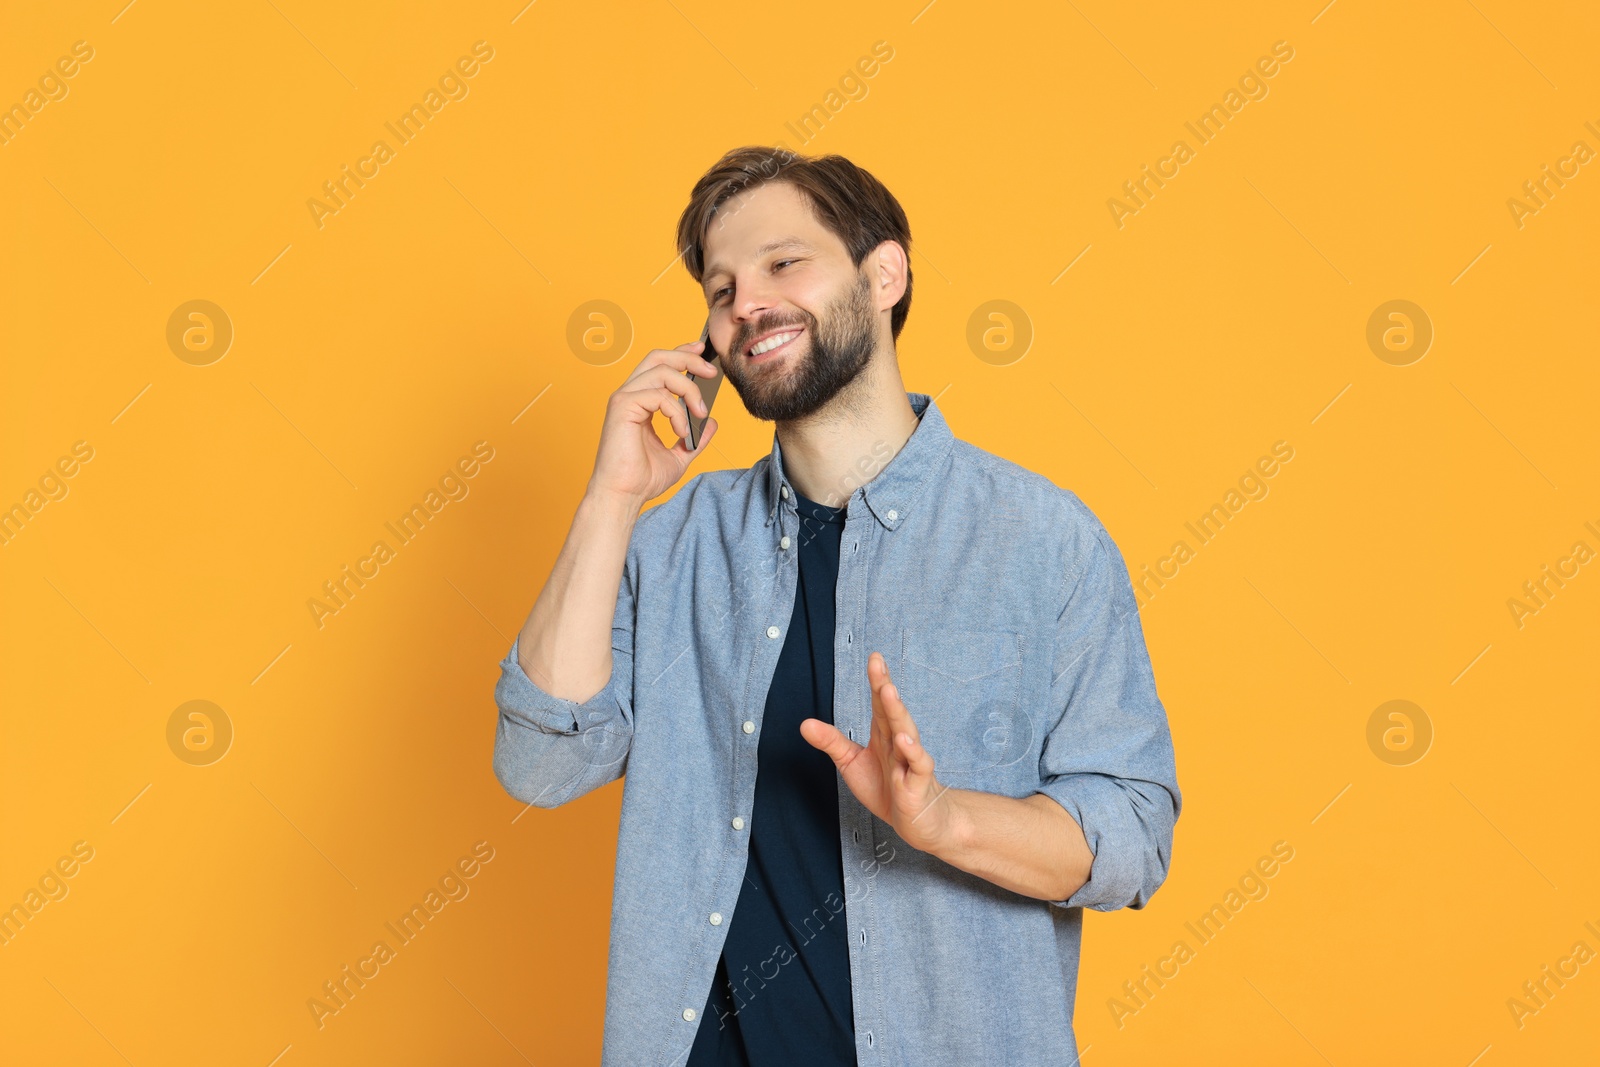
{"x": 932, "y": 656}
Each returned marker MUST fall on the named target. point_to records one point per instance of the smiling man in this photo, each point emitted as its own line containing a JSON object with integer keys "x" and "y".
{"x": 882, "y": 700}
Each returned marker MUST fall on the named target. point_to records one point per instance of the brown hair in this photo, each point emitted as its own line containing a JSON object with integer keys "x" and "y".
{"x": 848, "y": 201}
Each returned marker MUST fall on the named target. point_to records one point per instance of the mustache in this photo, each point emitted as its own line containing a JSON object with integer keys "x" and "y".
{"x": 763, "y": 327}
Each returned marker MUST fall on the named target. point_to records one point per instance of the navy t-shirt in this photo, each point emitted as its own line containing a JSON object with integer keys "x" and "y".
{"x": 781, "y": 993}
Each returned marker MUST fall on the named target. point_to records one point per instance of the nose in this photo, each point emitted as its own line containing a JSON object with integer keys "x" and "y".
{"x": 756, "y": 294}
{"x": 752, "y": 308}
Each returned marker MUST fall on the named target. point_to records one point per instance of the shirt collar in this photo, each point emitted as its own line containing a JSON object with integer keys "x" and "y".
{"x": 893, "y": 491}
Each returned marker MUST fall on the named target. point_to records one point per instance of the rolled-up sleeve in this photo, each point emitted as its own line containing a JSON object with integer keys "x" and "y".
{"x": 548, "y": 750}
{"x": 1108, "y": 760}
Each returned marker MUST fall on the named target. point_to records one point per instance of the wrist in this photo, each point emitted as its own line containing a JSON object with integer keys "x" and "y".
{"x": 956, "y": 841}
{"x": 623, "y": 507}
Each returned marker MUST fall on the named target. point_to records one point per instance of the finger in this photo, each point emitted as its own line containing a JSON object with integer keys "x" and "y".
{"x": 683, "y": 358}
{"x": 878, "y": 676}
{"x": 829, "y": 738}
{"x": 660, "y": 395}
{"x": 877, "y": 671}
{"x": 672, "y": 408}
{"x": 681, "y": 384}
{"x": 680, "y": 359}
{"x": 706, "y": 433}
{"x": 699, "y": 362}
{"x": 685, "y": 387}
{"x": 659, "y": 400}
{"x": 898, "y": 726}
{"x": 919, "y": 761}
{"x": 899, "y": 715}
{"x": 881, "y": 737}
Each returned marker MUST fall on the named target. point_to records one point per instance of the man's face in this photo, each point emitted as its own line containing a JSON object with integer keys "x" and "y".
{"x": 774, "y": 271}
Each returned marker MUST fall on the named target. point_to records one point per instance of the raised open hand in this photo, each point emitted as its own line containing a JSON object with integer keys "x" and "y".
{"x": 892, "y": 774}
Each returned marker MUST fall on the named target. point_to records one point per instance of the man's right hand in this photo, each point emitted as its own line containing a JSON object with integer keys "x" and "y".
{"x": 633, "y": 464}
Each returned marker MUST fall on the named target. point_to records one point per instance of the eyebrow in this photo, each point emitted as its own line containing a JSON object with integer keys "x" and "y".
{"x": 776, "y": 245}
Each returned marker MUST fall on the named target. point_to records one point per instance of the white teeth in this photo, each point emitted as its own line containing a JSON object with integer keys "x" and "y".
{"x": 773, "y": 342}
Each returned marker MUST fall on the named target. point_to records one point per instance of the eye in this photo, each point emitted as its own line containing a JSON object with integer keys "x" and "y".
{"x": 716, "y": 297}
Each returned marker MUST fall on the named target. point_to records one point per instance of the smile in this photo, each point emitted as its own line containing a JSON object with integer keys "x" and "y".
{"x": 775, "y": 343}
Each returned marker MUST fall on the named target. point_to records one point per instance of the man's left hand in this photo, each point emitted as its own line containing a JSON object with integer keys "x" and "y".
{"x": 892, "y": 774}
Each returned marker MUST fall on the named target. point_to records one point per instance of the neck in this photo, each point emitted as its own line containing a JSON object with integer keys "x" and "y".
{"x": 834, "y": 451}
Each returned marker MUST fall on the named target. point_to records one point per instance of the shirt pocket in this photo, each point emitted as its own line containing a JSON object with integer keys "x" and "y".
{"x": 962, "y": 688}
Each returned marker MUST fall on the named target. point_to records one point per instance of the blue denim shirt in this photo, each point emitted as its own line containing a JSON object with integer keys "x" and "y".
{"x": 1009, "y": 624}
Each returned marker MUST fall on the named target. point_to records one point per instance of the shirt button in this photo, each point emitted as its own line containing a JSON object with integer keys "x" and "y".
{"x": 783, "y": 542}
{"x": 738, "y": 823}
{"x": 772, "y": 631}
{"x": 749, "y": 727}
{"x": 784, "y": 489}
{"x": 716, "y": 918}
{"x": 688, "y": 1014}
{"x": 893, "y": 514}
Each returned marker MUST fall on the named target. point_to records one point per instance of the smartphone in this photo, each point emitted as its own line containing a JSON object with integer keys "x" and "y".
{"x": 708, "y": 387}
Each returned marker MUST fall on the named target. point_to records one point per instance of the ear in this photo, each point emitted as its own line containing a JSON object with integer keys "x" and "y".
{"x": 889, "y": 267}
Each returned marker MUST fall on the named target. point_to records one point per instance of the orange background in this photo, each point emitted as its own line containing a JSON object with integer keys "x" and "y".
{"x": 429, "y": 312}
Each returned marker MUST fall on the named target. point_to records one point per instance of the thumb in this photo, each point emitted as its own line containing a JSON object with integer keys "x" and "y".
{"x": 688, "y": 455}
{"x": 828, "y": 738}
{"x": 707, "y": 432}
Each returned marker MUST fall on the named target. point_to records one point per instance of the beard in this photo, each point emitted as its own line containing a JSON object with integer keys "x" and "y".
{"x": 840, "y": 347}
